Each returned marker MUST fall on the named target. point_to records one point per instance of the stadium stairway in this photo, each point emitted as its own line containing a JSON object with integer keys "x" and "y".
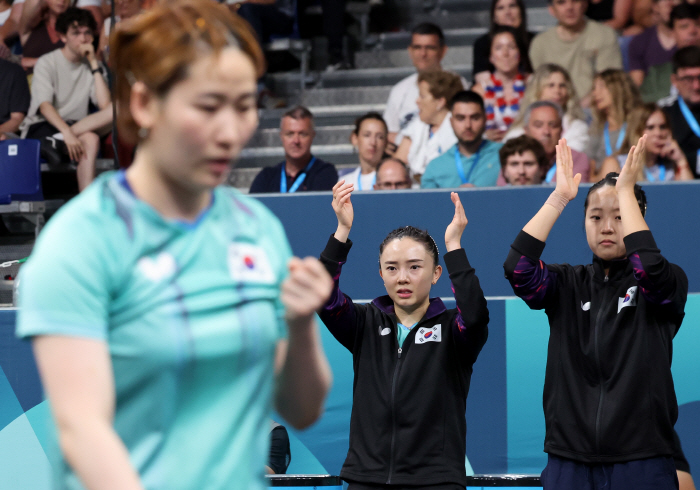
{"x": 337, "y": 98}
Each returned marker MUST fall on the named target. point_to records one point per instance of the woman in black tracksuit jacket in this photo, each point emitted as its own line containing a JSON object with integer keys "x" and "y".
{"x": 412, "y": 357}
{"x": 609, "y": 401}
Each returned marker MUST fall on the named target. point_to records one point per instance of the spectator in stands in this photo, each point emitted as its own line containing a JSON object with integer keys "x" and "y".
{"x": 552, "y": 82}
{"x": 300, "y": 170}
{"x": 392, "y": 174}
{"x": 543, "y": 122}
{"x": 503, "y": 13}
{"x": 65, "y": 81}
{"x": 685, "y": 111}
{"x": 369, "y": 138}
{"x": 655, "y": 45}
{"x": 14, "y": 98}
{"x": 583, "y": 47}
{"x": 614, "y": 98}
{"x": 37, "y": 29}
{"x": 505, "y": 88}
{"x": 473, "y": 160}
{"x": 426, "y": 50}
{"x": 430, "y": 134}
{"x": 523, "y": 162}
{"x": 685, "y": 26}
{"x": 665, "y": 161}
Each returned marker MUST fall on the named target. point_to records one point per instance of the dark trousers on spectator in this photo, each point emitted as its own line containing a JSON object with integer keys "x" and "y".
{"x": 334, "y": 28}
{"x": 643, "y": 474}
{"x": 266, "y": 20}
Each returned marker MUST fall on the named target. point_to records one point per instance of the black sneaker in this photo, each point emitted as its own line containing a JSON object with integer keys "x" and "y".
{"x": 54, "y": 151}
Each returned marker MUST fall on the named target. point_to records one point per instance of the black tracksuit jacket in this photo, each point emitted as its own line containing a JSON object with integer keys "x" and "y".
{"x": 608, "y": 392}
{"x": 408, "y": 415}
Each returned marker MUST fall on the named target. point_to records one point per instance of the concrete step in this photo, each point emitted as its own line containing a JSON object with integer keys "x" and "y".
{"x": 325, "y": 135}
{"x": 340, "y": 154}
{"x": 466, "y": 18}
{"x": 324, "y": 116}
{"x": 455, "y": 56}
{"x": 344, "y": 96}
{"x": 453, "y": 37}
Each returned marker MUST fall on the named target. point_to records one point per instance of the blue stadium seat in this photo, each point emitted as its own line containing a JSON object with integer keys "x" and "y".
{"x": 20, "y": 171}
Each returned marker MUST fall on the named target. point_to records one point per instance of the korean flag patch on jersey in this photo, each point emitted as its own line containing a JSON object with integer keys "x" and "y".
{"x": 630, "y": 299}
{"x": 249, "y": 263}
{"x": 429, "y": 334}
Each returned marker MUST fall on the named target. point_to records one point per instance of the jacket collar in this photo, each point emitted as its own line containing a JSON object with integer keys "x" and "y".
{"x": 385, "y": 304}
{"x": 617, "y": 268}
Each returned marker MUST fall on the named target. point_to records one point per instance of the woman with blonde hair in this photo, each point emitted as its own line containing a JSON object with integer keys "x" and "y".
{"x": 181, "y": 314}
{"x": 552, "y": 82}
{"x": 665, "y": 161}
{"x": 431, "y": 134}
{"x": 613, "y": 99}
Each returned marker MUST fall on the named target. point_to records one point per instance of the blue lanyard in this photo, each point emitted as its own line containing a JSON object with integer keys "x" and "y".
{"x": 359, "y": 181}
{"x": 650, "y": 177}
{"x": 298, "y": 182}
{"x": 620, "y": 139}
{"x": 689, "y": 118}
{"x": 551, "y": 173}
{"x": 458, "y": 162}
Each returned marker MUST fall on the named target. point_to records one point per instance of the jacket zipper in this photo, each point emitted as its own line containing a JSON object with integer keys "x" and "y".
{"x": 601, "y": 395}
{"x": 393, "y": 418}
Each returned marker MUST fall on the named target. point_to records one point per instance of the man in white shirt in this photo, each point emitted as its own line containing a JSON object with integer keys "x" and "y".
{"x": 427, "y": 50}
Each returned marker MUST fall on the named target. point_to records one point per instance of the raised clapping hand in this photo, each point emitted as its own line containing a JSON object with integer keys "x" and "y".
{"x": 567, "y": 182}
{"x": 306, "y": 289}
{"x": 636, "y": 159}
{"x": 453, "y": 233}
{"x": 343, "y": 209}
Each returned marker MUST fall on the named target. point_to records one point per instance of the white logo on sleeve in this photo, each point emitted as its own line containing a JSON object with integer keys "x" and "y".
{"x": 630, "y": 299}
{"x": 385, "y": 331}
{"x": 429, "y": 334}
{"x": 585, "y": 306}
{"x": 248, "y": 262}
{"x": 157, "y": 268}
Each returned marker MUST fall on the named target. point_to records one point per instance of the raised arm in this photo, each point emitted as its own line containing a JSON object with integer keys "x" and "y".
{"x": 630, "y": 214}
{"x": 304, "y": 374}
{"x": 343, "y": 210}
{"x": 567, "y": 188}
{"x": 470, "y": 329}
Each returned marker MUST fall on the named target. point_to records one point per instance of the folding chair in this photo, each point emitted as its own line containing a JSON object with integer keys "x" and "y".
{"x": 20, "y": 181}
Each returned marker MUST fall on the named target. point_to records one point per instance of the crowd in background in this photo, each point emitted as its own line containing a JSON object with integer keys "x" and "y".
{"x": 608, "y": 72}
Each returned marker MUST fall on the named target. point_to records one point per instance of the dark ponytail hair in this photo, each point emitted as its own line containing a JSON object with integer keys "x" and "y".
{"x": 370, "y": 115}
{"x": 611, "y": 179}
{"x": 421, "y": 236}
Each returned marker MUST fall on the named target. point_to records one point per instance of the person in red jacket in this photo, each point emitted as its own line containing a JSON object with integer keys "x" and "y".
{"x": 412, "y": 357}
{"x": 609, "y": 401}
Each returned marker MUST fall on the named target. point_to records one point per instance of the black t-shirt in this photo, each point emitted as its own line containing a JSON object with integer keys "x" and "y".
{"x": 322, "y": 176}
{"x": 686, "y": 138}
{"x": 14, "y": 90}
{"x": 600, "y": 11}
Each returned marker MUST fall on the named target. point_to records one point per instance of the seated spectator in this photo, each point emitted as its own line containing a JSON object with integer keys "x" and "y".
{"x": 65, "y": 81}
{"x": 473, "y": 160}
{"x": 430, "y": 134}
{"x": 369, "y": 137}
{"x": 655, "y": 45}
{"x": 614, "y": 98}
{"x": 583, "y": 47}
{"x": 300, "y": 170}
{"x": 280, "y": 453}
{"x": 392, "y": 174}
{"x": 685, "y": 26}
{"x": 684, "y": 114}
{"x": 37, "y": 30}
{"x": 543, "y": 122}
{"x": 426, "y": 51}
{"x": 665, "y": 159}
{"x": 523, "y": 162}
{"x": 123, "y": 9}
{"x": 505, "y": 88}
{"x": 14, "y": 98}
{"x": 503, "y": 13}
{"x": 552, "y": 82}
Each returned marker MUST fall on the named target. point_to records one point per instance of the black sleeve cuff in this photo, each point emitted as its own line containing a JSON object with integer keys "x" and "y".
{"x": 456, "y": 261}
{"x": 640, "y": 240}
{"x": 527, "y": 245}
{"x": 337, "y": 251}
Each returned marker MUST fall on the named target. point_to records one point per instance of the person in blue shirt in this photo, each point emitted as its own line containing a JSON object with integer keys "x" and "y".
{"x": 160, "y": 304}
{"x": 473, "y": 161}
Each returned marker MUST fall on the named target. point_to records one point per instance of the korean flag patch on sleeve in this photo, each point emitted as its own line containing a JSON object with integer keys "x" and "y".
{"x": 630, "y": 299}
{"x": 429, "y": 334}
